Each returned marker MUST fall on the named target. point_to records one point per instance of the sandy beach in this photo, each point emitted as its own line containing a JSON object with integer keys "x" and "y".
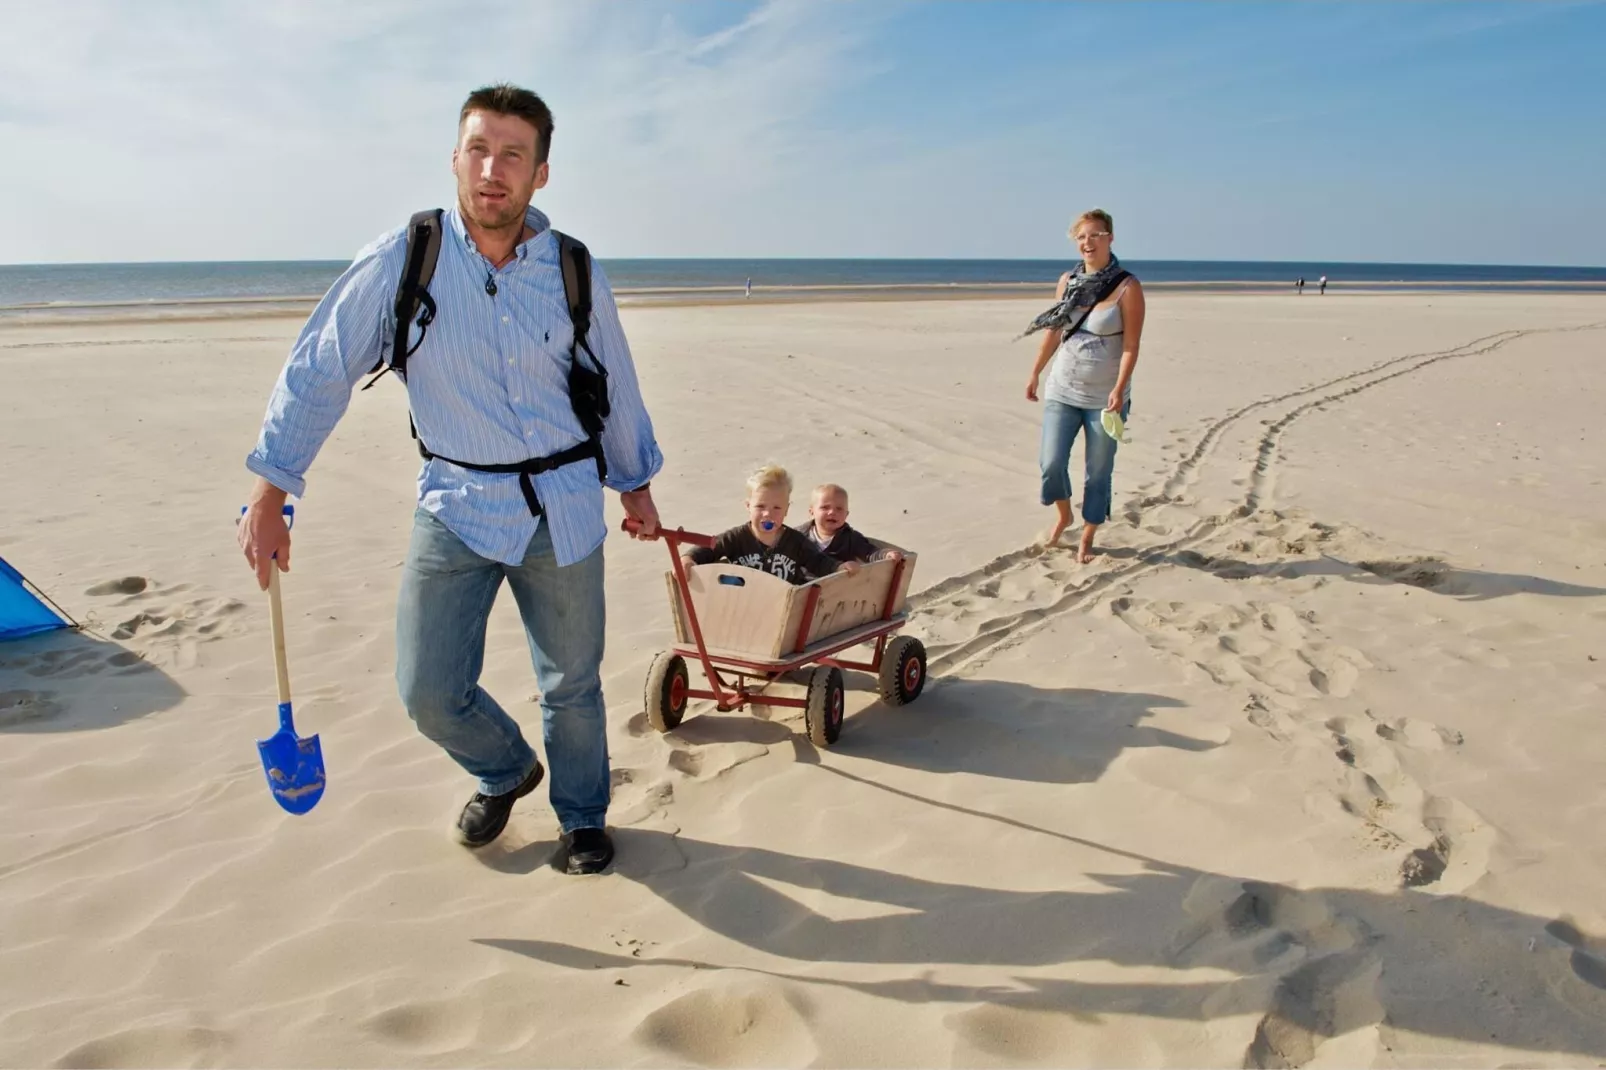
{"x": 1303, "y": 770}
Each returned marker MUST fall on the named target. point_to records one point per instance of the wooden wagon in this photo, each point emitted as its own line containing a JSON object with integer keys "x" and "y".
{"x": 747, "y": 629}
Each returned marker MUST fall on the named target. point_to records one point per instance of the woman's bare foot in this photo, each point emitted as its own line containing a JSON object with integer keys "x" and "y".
{"x": 1061, "y": 522}
{"x": 1084, "y": 552}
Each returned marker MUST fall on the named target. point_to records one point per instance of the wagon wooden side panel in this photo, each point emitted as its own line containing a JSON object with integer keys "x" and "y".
{"x": 743, "y": 612}
{"x": 748, "y": 614}
{"x": 848, "y": 602}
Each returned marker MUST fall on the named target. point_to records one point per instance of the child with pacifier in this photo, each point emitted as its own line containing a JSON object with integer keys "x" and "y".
{"x": 765, "y": 542}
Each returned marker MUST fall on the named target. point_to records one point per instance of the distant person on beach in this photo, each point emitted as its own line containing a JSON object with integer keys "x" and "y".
{"x": 1322, "y": 283}
{"x": 828, "y": 528}
{"x": 527, "y": 509}
{"x": 1093, "y": 336}
{"x": 765, "y": 542}
{"x": 748, "y": 292}
{"x": 1299, "y": 284}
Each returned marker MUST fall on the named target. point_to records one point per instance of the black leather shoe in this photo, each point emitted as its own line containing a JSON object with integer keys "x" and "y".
{"x": 588, "y": 850}
{"x": 485, "y": 816}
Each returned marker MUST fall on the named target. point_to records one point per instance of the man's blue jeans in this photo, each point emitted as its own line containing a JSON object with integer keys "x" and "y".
{"x": 446, "y": 595}
{"x": 1060, "y": 426}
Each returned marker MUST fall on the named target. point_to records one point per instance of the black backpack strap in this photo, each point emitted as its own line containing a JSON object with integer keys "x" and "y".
{"x": 575, "y": 259}
{"x": 412, "y": 291}
{"x": 588, "y": 386}
{"x": 590, "y": 449}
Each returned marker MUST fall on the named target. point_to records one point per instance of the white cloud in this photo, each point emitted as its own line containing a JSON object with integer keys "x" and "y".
{"x": 173, "y": 130}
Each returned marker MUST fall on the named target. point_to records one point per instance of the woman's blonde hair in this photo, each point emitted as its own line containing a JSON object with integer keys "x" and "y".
{"x": 771, "y": 475}
{"x": 1098, "y": 215}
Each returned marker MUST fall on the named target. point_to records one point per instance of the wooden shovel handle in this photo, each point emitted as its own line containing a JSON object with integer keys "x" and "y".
{"x": 281, "y": 667}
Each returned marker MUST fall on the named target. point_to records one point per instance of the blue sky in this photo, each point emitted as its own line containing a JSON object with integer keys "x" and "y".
{"x": 1428, "y": 132}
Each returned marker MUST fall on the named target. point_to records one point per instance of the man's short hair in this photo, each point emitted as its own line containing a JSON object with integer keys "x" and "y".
{"x": 505, "y": 99}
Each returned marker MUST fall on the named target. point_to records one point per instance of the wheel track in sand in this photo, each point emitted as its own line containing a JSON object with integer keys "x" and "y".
{"x": 1003, "y": 631}
{"x": 1181, "y": 475}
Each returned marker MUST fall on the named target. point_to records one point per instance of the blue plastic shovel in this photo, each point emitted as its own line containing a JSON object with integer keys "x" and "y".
{"x": 294, "y": 765}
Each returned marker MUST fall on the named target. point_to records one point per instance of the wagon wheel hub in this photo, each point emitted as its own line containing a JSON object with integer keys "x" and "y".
{"x": 911, "y": 675}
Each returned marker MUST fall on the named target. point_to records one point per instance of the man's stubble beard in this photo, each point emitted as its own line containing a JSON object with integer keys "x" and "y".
{"x": 511, "y": 217}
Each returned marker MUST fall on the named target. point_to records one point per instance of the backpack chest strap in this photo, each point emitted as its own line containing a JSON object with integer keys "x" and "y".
{"x": 590, "y": 449}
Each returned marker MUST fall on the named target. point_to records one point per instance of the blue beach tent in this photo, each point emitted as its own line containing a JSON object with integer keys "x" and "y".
{"x": 22, "y": 611}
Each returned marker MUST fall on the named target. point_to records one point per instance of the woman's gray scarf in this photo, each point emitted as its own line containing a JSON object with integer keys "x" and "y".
{"x": 1081, "y": 294}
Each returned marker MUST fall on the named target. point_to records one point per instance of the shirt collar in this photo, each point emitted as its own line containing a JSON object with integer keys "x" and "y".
{"x": 534, "y": 218}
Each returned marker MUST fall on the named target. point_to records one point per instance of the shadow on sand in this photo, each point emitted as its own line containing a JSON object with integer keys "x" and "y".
{"x": 1308, "y": 964}
{"x": 980, "y": 727}
{"x": 1313, "y": 963}
{"x": 69, "y": 681}
{"x": 1426, "y": 573}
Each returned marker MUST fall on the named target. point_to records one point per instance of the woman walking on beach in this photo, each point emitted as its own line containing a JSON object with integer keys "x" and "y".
{"x": 1093, "y": 334}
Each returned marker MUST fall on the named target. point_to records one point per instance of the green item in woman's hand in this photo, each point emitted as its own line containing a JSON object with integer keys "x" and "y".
{"x": 1114, "y": 426}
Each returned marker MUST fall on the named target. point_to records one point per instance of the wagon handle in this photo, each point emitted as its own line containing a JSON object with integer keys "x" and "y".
{"x": 673, "y": 539}
{"x": 679, "y": 535}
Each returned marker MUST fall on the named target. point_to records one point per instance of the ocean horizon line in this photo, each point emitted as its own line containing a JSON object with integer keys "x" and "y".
{"x": 264, "y": 283}
{"x": 1303, "y": 263}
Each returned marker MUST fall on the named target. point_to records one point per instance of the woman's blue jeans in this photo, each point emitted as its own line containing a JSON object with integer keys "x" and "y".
{"x": 1060, "y": 426}
{"x": 445, "y": 601}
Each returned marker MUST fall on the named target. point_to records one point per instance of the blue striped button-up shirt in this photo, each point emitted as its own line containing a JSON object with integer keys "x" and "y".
{"x": 488, "y": 385}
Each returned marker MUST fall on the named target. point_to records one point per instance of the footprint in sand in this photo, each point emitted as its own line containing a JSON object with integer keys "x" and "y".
{"x": 147, "y": 623}
{"x": 126, "y": 585}
{"x": 712, "y": 760}
{"x": 173, "y": 631}
{"x": 1326, "y": 997}
{"x": 1588, "y": 962}
{"x": 1258, "y": 712}
{"x": 1419, "y": 735}
{"x": 1452, "y": 842}
{"x": 653, "y": 800}
{"x": 1428, "y": 573}
{"x": 151, "y": 1045}
{"x": 1263, "y": 646}
{"x": 66, "y": 663}
{"x": 749, "y": 1024}
{"x": 1253, "y": 927}
{"x": 1338, "y": 679}
{"x": 20, "y": 707}
{"x": 424, "y": 1026}
{"x": 77, "y": 663}
{"x": 991, "y": 1035}
{"x": 1331, "y": 988}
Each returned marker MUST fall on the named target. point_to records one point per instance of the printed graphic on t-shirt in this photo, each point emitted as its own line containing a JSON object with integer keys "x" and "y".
{"x": 777, "y": 565}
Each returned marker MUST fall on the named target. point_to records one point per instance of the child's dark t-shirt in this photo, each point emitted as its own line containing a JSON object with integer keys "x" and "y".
{"x": 846, "y": 545}
{"x": 793, "y": 557}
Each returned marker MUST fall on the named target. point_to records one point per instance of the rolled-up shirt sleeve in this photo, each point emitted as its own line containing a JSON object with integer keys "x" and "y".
{"x": 628, "y": 443}
{"x": 342, "y": 340}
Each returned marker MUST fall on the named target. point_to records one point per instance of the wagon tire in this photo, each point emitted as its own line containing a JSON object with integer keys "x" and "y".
{"x": 667, "y": 684}
{"x": 903, "y": 670}
{"x": 827, "y": 697}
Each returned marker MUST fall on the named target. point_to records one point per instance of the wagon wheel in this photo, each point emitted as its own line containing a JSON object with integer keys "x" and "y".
{"x": 823, "y": 714}
{"x": 666, "y": 691}
{"x": 903, "y": 670}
